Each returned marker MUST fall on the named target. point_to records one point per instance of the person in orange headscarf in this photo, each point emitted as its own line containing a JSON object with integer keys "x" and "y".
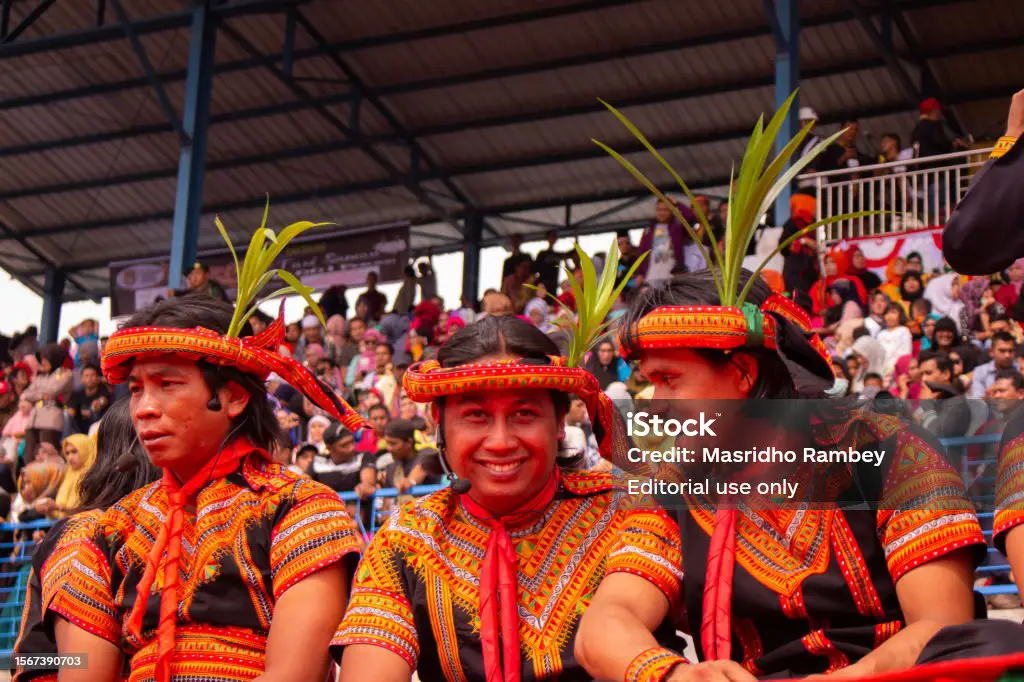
{"x": 230, "y": 567}
{"x": 894, "y": 272}
{"x": 800, "y": 259}
{"x": 836, "y": 264}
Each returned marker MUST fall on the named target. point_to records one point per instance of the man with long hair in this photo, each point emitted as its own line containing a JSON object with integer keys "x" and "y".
{"x": 230, "y": 567}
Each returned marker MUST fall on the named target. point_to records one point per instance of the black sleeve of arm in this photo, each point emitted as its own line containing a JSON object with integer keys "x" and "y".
{"x": 984, "y": 234}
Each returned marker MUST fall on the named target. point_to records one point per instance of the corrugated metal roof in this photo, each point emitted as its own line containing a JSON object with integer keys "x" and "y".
{"x": 500, "y": 97}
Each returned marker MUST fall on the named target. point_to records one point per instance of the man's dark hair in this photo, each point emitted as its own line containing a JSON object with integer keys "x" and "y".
{"x": 384, "y": 344}
{"x": 122, "y": 464}
{"x": 402, "y": 429}
{"x": 336, "y": 431}
{"x": 872, "y": 376}
{"x": 1013, "y": 375}
{"x": 502, "y": 335}
{"x": 263, "y": 317}
{"x": 307, "y": 448}
{"x": 942, "y": 361}
{"x": 698, "y": 288}
{"x": 90, "y": 366}
{"x": 894, "y": 136}
{"x": 1003, "y": 337}
{"x": 257, "y": 421}
{"x": 378, "y": 406}
{"x": 409, "y": 271}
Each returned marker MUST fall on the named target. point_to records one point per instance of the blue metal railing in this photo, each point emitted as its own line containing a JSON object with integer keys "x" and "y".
{"x": 14, "y": 564}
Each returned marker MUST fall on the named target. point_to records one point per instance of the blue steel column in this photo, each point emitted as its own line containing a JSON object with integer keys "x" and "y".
{"x": 787, "y": 79}
{"x": 53, "y": 294}
{"x": 471, "y": 256}
{"x": 192, "y": 159}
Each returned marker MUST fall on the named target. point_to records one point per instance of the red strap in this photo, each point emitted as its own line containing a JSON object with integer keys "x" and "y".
{"x": 169, "y": 538}
{"x": 499, "y": 585}
{"x": 716, "y": 624}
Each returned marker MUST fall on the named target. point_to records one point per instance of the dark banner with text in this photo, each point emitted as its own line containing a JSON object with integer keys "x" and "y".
{"x": 319, "y": 260}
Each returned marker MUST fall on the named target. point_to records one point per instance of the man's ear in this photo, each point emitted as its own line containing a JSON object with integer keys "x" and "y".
{"x": 744, "y": 372}
{"x": 234, "y": 398}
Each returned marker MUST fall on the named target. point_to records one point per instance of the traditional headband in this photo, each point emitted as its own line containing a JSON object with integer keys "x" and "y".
{"x": 718, "y": 327}
{"x": 428, "y": 381}
{"x": 256, "y": 355}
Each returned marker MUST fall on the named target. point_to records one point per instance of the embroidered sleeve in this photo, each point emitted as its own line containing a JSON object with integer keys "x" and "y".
{"x": 85, "y": 598}
{"x": 653, "y": 665}
{"x": 924, "y": 513}
{"x": 379, "y": 612}
{"x": 648, "y": 545}
{"x": 313, "y": 533}
{"x": 1009, "y": 491}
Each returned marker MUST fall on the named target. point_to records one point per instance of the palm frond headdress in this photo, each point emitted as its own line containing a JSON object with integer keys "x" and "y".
{"x": 257, "y": 355}
{"x": 776, "y": 324}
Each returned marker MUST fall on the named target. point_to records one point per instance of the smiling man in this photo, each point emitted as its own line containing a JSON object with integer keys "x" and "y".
{"x": 230, "y": 567}
{"x": 487, "y": 579}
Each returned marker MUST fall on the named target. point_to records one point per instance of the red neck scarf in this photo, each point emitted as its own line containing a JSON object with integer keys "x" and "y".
{"x": 716, "y": 623}
{"x": 169, "y": 539}
{"x": 499, "y": 586}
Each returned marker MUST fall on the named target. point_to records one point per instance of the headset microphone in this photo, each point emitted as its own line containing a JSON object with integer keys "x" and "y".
{"x": 214, "y": 404}
{"x": 460, "y": 486}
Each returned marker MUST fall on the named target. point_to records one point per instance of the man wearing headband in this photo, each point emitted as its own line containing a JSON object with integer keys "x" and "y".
{"x": 487, "y": 579}
{"x": 795, "y": 565}
{"x": 230, "y": 567}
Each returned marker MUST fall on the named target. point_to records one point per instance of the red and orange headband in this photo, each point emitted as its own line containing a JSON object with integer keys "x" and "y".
{"x": 719, "y": 327}
{"x": 255, "y": 355}
{"x": 427, "y": 381}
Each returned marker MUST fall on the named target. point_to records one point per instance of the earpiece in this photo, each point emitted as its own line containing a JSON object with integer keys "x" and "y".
{"x": 460, "y": 486}
{"x": 214, "y": 404}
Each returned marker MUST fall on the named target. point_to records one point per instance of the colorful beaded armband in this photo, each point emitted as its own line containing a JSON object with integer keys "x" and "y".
{"x": 1004, "y": 145}
{"x": 653, "y": 665}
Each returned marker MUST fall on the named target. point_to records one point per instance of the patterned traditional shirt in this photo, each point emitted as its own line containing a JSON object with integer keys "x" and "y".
{"x": 254, "y": 534}
{"x": 814, "y": 584}
{"x": 1010, "y": 481}
{"x": 415, "y": 592}
{"x": 51, "y": 564}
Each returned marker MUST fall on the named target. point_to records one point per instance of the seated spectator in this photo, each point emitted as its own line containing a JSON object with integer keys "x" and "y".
{"x": 911, "y": 289}
{"x": 895, "y": 338}
{"x": 1003, "y": 354}
{"x": 88, "y": 404}
{"x": 800, "y": 259}
{"x": 871, "y": 359}
{"x": 1009, "y": 290}
{"x": 894, "y": 272}
{"x": 38, "y": 480}
{"x": 850, "y": 288}
{"x": 915, "y": 263}
{"x": 372, "y": 440}
{"x": 875, "y": 321}
{"x": 577, "y": 416}
{"x": 946, "y": 335}
{"x": 873, "y": 381}
{"x": 315, "y": 429}
{"x": 858, "y": 268}
{"x": 344, "y": 469}
{"x": 943, "y": 410}
{"x": 406, "y": 468}
{"x": 943, "y": 291}
{"x": 496, "y": 303}
{"x": 302, "y": 459}
{"x": 79, "y": 456}
{"x": 13, "y": 436}
{"x": 606, "y": 365}
{"x": 292, "y": 335}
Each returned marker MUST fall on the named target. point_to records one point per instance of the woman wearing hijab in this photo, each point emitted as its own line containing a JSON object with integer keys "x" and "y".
{"x": 858, "y": 268}
{"x": 944, "y": 293}
{"x": 894, "y": 272}
{"x": 606, "y": 365}
{"x": 872, "y": 360}
{"x": 911, "y": 289}
{"x": 79, "y": 455}
{"x": 38, "y": 481}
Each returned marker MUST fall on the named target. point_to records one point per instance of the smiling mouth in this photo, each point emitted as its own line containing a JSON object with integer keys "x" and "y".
{"x": 503, "y": 468}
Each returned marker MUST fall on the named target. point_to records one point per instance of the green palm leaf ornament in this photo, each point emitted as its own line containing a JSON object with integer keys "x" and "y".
{"x": 751, "y": 192}
{"x": 255, "y": 271}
